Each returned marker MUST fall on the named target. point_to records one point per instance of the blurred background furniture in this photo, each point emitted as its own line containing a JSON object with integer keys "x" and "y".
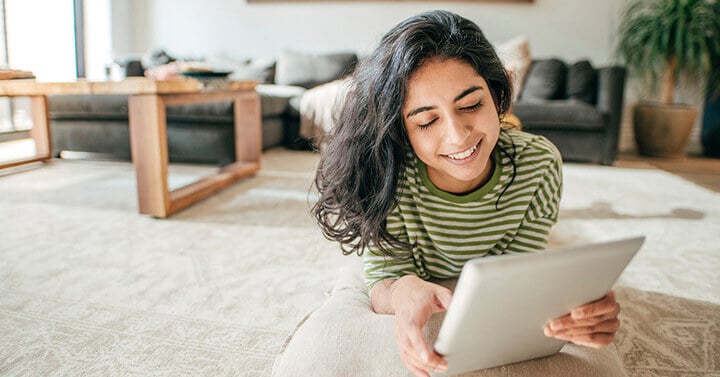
{"x": 577, "y": 106}
{"x": 200, "y": 133}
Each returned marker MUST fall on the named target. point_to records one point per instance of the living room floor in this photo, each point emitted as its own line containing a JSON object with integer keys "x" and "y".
{"x": 699, "y": 170}
{"x": 702, "y": 171}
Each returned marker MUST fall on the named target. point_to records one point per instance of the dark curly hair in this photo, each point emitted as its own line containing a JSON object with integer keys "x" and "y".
{"x": 366, "y": 152}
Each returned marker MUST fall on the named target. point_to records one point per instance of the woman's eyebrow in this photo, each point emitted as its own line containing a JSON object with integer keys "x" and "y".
{"x": 419, "y": 110}
{"x": 468, "y": 91}
{"x": 458, "y": 98}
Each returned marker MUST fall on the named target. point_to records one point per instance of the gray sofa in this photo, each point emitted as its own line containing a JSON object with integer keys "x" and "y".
{"x": 577, "y": 106}
{"x": 198, "y": 133}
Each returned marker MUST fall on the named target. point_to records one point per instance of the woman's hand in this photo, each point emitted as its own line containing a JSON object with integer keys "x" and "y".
{"x": 415, "y": 300}
{"x": 593, "y": 325}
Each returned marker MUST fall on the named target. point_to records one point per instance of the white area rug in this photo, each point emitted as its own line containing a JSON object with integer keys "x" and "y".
{"x": 90, "y": 287}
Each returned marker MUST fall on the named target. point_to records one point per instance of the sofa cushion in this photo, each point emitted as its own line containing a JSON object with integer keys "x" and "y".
{"x": 308, "y": 70}
{"x": 88, "y": 107}
{"x": 220, "y": 112}
{"x": 566, "y": 114}
{"x": 582, "y": 82}
{"x": 114, "y": 107}
{"x": 545, "y": 80}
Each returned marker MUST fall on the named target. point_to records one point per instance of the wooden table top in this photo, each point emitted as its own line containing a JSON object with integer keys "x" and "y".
{"x": 130, "y": 85}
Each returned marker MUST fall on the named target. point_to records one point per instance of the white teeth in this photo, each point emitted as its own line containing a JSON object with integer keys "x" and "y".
{"x": 462, "y": 155}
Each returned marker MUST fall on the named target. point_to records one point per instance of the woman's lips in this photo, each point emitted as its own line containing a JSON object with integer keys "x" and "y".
{"x": 464, "y": 158}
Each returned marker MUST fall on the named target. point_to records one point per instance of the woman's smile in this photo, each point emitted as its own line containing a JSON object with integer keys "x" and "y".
{"x": 464, "y": 157}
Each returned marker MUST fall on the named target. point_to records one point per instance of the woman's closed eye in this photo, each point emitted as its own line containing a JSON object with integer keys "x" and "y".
{"x": 472, "y": 107}
{"x": 426, "y": 125}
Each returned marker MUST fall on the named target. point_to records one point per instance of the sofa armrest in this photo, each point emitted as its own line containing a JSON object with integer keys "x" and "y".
{"x": 611, "y": 88}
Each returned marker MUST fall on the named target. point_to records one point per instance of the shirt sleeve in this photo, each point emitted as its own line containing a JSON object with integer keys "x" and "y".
{"x": 379, "y": 266}
{"x": 543, "y": 211}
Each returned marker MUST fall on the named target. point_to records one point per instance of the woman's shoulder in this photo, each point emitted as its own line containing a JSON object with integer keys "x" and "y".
{"x": 529, "y": 148}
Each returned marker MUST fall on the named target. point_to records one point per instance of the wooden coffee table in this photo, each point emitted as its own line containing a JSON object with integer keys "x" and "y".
{"x": 147, "y": 102}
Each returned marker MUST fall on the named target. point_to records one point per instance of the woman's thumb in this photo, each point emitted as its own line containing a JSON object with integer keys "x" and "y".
{"x": 443, "y": 298}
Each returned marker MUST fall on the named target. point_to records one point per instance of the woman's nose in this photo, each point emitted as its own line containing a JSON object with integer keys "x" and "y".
{"x": 457, "y": 132}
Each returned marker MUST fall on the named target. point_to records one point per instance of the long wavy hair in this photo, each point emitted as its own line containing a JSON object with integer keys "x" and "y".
{"x": 366, "y": 151}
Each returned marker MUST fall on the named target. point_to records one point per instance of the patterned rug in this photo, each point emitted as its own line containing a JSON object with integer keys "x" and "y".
{"x": 90, "y": 287}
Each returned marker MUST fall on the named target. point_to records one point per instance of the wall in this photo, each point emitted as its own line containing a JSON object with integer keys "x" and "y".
{"x": 238, "y": 29}
{"x": 569, "y": 29}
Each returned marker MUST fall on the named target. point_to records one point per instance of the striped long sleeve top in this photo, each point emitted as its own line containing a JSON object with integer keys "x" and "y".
{"x": 447, "y": 230}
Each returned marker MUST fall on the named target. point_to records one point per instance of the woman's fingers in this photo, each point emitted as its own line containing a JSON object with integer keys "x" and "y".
{"x": 594, "y": 340}
{"x": 593, "y": 325}
{"x": 443, "y": 297}
{"x": 566, "y": 322}
{"x": 590, "y": 314}
{"x": 415, "y": 301}
{"x": 605, "y": 305}
{"x": 609, "y": 326}
{"x": 412, "y": 358}
{"x": 420, "y": 354}
{"x": 417, "y": 371}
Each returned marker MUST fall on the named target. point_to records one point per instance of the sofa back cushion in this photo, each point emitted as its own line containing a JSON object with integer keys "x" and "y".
{"x": 582, "y": 82}
{"x": 309, "y": 70}
{"x": 552, "y": 79}
{"x": 545, "y": 80}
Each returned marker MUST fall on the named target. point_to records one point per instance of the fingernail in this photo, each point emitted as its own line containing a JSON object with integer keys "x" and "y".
{"x": 424, "y": 356}
{"x": 546, "y": 331}
{"x": 554, "y": 325}
{"x": 441, "y": 368}
{"x": 576, "y": 314}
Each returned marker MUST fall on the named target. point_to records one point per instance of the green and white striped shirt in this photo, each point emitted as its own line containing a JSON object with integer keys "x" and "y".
{"x": 447, "y": 230}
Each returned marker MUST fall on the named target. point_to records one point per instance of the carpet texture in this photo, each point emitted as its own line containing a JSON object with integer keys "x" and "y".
{"x": 90, "y": 287}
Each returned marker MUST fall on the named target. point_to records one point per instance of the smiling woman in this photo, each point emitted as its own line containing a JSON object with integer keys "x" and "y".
{"x": 419, "y": 177}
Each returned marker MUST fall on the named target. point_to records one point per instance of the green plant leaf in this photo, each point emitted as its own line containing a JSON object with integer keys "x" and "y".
{"x": 652, "y": 32}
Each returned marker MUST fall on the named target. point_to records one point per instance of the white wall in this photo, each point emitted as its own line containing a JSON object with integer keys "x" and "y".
{"x": 98, "y": 38}
{"x": 570, "y": 29}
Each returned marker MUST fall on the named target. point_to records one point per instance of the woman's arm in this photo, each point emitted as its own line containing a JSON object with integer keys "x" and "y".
{"x": 412, "y": 301}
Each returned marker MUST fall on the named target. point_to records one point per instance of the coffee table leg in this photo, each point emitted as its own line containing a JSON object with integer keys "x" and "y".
{"x": 148, "y": 145}
{"x": 41, "y": 128}
{"x": 248, "y": 129}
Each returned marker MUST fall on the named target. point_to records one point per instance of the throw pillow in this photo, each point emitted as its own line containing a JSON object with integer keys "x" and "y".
{"x": 545, "y": 80}
{"x": 308, "y": 70}
{"x": 515, "y": 55}
{"x": 582, "y": 82}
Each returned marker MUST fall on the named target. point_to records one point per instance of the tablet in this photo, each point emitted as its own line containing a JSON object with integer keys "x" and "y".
{"x": 501, "y": 304}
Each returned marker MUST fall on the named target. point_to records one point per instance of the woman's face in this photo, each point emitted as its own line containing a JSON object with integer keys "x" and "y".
{"x": 452, "y": 123}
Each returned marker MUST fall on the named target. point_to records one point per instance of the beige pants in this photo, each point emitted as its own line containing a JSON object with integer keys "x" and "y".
{"x": 345, "y": 337}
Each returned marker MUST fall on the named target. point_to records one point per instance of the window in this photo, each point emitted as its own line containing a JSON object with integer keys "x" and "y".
{"x": 49, "y": 52}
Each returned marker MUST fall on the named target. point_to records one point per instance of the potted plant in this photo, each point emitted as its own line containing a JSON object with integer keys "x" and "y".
{"x": 662, "y": 41}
